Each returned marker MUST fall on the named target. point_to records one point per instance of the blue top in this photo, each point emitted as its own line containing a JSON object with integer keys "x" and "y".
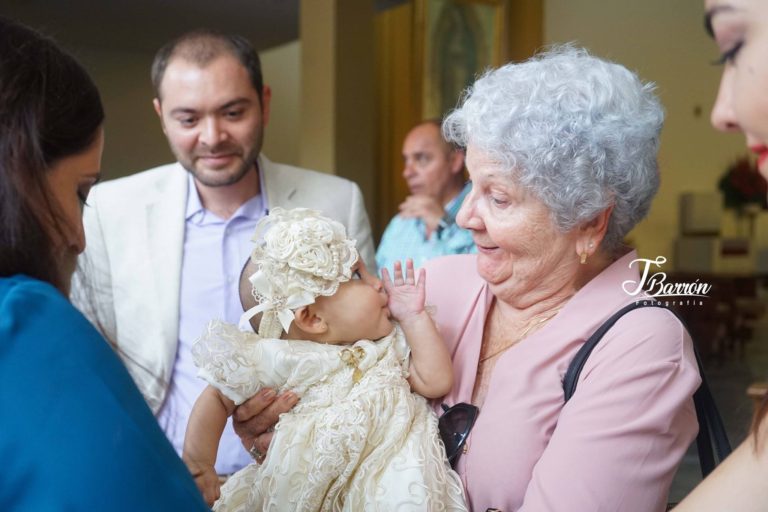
{"x": 406, "y": 238}
{"x": 75, "y": 433}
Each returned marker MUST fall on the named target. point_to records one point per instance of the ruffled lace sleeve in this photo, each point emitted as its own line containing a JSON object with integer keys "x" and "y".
{"x": 402, "y": 349}
{"x": 240, "y": 363}
{"x": 235, "y": 362}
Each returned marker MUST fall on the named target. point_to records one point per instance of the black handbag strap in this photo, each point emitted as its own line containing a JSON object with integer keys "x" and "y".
{"x": 711, "y": 428}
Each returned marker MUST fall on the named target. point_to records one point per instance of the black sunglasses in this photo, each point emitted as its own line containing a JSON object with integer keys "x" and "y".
{"x": 454, "y": 426}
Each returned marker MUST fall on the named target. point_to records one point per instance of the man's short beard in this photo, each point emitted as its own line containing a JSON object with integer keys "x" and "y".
{"x": 248, "y": 164}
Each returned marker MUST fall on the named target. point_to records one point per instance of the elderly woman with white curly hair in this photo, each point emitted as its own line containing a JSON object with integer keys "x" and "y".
{"x": 561, "y": 151}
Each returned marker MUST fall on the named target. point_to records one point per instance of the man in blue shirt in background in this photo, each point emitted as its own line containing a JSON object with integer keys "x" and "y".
{"x": 425, "y": 226}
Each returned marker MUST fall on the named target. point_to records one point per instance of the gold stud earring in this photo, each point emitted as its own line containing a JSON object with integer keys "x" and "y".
{"x": 583, "y": 258}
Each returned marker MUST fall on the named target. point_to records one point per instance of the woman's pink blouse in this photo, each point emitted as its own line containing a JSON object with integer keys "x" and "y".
{"x": 617, "y": 443}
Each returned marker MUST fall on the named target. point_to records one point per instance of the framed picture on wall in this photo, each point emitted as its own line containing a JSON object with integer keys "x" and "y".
{"x": 456, "y": 41}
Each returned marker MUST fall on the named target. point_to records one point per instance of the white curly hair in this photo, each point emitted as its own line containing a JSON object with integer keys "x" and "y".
{"x": 579, "y": 132}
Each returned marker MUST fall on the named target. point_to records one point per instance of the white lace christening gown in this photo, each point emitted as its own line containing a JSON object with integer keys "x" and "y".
{"x": 358, "y": 440}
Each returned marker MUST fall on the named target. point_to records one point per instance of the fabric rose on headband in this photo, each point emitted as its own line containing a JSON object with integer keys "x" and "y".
{"x": 299, "y": 254}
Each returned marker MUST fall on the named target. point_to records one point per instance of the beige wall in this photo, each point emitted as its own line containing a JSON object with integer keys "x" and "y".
{"x": 664, "y": 41}
{"x": 337, "y": 102}
{"x": 317, "y": 27}
{"x": 281, "y": 67}
{"x": 133, "y": 138}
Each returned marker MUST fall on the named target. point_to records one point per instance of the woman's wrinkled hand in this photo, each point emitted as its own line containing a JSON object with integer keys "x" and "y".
{"x": 255, "y": 419}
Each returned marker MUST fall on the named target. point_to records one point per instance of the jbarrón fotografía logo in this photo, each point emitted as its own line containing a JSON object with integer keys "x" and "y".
{"x": 655, "y": 283}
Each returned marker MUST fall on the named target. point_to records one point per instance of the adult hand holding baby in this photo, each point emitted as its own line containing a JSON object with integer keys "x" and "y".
{"x": 255, "y": 419}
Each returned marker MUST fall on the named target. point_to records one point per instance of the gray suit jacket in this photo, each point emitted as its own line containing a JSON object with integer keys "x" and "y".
{"x": 132, "y": 263}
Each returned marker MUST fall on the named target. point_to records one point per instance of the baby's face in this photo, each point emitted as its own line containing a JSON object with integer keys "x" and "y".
{"x": 358, "y": 310}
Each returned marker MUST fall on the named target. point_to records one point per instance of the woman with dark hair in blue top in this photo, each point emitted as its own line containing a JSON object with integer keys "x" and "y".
{"x": 75, "y": 433}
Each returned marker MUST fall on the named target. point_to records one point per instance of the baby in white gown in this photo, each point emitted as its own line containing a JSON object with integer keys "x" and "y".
{"x": 359, "y": 439}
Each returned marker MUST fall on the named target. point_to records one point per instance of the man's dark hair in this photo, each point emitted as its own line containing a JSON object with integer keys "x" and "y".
{"x": 203, "y": 46}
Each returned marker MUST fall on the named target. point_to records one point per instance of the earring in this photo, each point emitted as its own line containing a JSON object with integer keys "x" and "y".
{"x": 583, "y": 255}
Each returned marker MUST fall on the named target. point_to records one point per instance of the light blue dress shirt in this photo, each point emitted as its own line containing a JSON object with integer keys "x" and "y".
{"x": 215, "y": 251}
{"x": 406, "y": 238}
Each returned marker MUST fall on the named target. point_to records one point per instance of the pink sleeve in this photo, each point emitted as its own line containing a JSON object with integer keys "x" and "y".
{"x": 620, "y": 438}
{"x": 453, "y": 292}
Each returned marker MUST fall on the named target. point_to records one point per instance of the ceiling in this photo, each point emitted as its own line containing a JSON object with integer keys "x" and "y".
{"x": 145, "y": 25}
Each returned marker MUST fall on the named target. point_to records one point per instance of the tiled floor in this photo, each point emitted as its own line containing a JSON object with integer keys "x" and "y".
{"x": 729, "y": 378}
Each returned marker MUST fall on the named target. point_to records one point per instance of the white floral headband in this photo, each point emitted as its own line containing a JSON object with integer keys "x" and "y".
{"x": 299, "y": 255}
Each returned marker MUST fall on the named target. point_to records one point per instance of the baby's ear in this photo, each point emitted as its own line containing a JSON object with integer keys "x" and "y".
{"x": 308, "y": 320}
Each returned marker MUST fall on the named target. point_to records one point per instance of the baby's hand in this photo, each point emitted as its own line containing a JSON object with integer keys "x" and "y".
{"x": 207, "y": 481}
{"x": 406, "y": 294}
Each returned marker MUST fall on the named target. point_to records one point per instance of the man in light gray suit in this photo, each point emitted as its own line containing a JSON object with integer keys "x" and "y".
{"x": 165, "y": 246}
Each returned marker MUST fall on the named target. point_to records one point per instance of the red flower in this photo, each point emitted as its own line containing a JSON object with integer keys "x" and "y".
{"x": 742, "y": 184}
